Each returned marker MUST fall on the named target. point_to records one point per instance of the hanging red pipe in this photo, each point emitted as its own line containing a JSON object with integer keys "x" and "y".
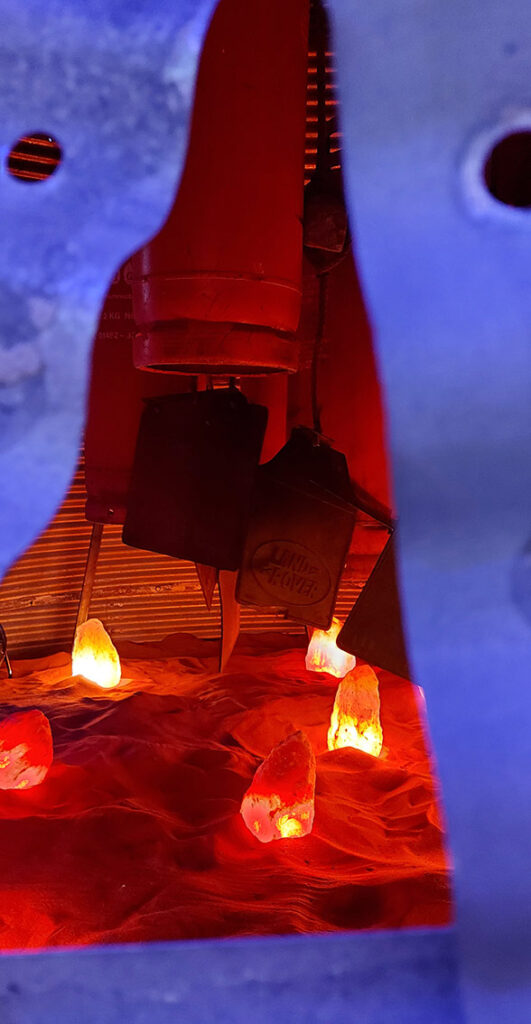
{"x": 219, "y": 288}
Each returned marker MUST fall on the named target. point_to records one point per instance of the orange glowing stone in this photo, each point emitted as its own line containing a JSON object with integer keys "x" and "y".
{"x": 355, "y": 720}
{"x": 279, "y": 803}
{"x": 94, "y": 655}
{"x": 323, "y": 654}
{"x": 26, "y": 750}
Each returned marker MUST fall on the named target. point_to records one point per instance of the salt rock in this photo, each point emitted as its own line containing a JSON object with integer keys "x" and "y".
{"x": 279, "y": 803}
{"x": 323, "y": 654}
{"x": 26, "y": 750}
{"x": 355, "y": 720}
{"x": 94, "y": 655}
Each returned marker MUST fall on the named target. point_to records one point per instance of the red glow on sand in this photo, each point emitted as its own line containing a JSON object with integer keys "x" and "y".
{"x": 136, "y": 834}
{"x": 279, "y": 803}
{"x": 355, "y": 720}
{"x": 26, "y": 750}
{"x": 324, "y": 655}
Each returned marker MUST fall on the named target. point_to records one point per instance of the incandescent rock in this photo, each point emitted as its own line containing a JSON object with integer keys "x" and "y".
{"x": 323, "y": 654}
{"x": 26, "y": 750}
{"x": 355, "y": 720}
{"x": 94, "y": 655}
{"x": 279, "y": 803}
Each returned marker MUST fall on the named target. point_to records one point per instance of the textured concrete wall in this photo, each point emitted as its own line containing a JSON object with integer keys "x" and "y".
{"x": 427, "y": 88}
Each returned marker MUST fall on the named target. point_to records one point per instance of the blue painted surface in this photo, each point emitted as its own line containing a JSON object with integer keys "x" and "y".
{"x": 375, "y": 978}
{"x": 112, "y": 80}
{"x": 426, "y": 88}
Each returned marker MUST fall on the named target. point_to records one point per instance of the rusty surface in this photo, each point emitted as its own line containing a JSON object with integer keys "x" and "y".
{"x": 300, "y": 528}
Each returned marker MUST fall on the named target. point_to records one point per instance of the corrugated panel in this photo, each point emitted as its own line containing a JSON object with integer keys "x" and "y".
{"x": 312, "y": 119}
{"x": 321, "y": 95}
{"x": 34, "y": 157}
{"x": 139, "y": 595}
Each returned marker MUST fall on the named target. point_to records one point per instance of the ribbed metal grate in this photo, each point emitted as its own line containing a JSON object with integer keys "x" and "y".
{"x": 321, "y": 96}
{"x": 34, "y": 157}
{"x": 139, "y": 595}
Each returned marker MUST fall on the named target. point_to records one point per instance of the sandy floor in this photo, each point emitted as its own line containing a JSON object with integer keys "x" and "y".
{"x": 136, "y": 832}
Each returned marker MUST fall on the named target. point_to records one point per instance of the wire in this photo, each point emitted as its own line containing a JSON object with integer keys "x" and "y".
{"x": 316, "y": 411}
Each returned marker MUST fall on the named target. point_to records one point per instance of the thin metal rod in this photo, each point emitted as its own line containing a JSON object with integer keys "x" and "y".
{"x": 90, "y": 574}
{"x": 8, "y": 666}
{"x": 230, "y": 615}
{"x": 4, "y": 656}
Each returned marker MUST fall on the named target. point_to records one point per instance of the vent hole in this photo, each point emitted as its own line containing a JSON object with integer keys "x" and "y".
{"x": 34, "y": 157}
{"x": 508, "y": 170}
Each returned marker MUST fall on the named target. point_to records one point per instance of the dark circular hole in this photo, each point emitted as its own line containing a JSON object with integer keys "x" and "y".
{"x": 508, "y": 170}
{"x": 34, "y": 157}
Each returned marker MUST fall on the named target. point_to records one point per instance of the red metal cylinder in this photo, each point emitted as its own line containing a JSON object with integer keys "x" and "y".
{"x": 219, "y": 288}
{"x": 115, "y": 404}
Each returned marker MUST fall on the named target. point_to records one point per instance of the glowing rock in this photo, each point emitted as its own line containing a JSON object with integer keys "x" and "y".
{"x": 279, "y": 803}
{"x": 26, "y": 750}
{"x": 323, "y": 654}
{"x": 355, "y": 720}
{"x": 94, "y": 655}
